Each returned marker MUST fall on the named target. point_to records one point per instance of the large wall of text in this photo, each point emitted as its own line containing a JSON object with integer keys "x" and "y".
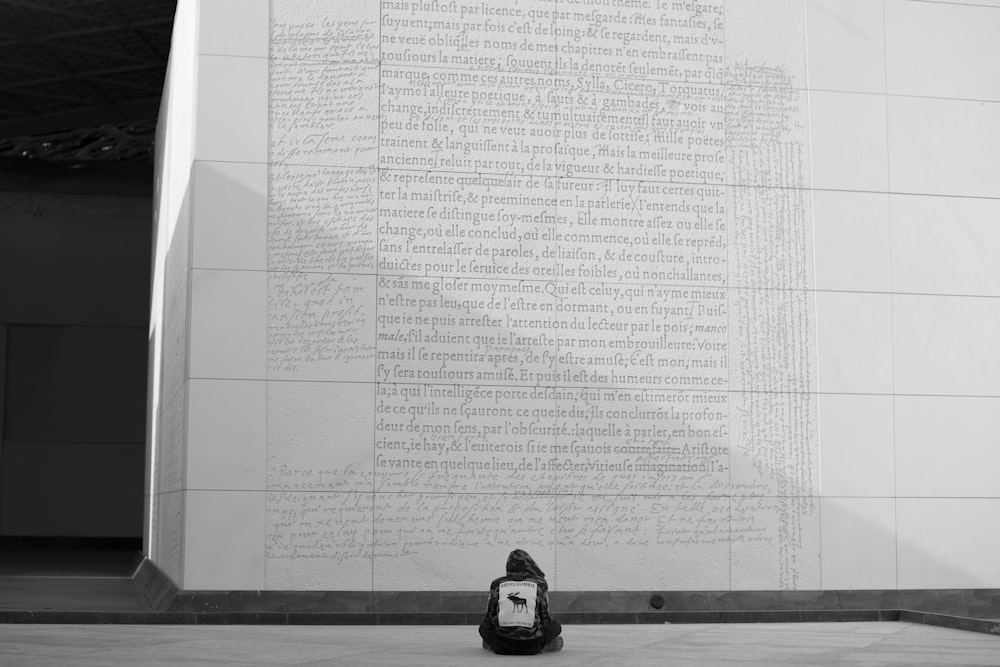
{"x": 539, "y": 276}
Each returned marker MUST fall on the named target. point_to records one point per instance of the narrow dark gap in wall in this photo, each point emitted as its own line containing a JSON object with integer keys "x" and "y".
{"x": 75, "y": 243}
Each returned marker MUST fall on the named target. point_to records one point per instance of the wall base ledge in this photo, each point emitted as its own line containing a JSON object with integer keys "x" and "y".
{"x": 976, "y": 610}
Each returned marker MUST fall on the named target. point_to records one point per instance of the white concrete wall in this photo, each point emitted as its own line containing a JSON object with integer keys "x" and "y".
{"x": 208, "y": 331}
{"x": 907, "y": 437}
{"x": 883, "y": 478}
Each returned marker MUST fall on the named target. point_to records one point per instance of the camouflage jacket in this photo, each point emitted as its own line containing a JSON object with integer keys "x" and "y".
{"x": 519, "y": 603}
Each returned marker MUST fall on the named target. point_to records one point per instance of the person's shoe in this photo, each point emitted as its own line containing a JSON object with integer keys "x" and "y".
{"x": 553, "y": 646}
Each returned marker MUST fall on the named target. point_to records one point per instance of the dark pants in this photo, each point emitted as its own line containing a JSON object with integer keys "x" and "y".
{"x": 505, "y": 646}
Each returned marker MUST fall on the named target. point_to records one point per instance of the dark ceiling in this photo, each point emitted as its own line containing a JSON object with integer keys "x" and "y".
{"x": 80, "y": 80}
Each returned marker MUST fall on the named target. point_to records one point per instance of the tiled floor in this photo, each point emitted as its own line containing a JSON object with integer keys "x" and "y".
{"x": 868, "y": 644}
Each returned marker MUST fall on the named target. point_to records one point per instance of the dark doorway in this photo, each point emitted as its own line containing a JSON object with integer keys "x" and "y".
{"x": 74, "y": 311}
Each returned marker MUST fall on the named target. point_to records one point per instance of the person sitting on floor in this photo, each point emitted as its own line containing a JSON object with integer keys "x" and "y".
{"x": 517, "y": 620}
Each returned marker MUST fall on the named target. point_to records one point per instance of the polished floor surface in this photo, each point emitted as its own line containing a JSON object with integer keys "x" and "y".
{"x": 802, "y": 644}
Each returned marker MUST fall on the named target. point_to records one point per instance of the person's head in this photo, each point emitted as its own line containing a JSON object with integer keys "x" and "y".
{"x": 519, "y": 562}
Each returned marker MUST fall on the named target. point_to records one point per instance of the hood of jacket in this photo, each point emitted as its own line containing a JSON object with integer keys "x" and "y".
{"x": 519, "y": 563}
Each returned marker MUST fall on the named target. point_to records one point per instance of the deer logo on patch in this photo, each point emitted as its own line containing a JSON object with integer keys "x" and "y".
{"x": 519, "y": 602}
